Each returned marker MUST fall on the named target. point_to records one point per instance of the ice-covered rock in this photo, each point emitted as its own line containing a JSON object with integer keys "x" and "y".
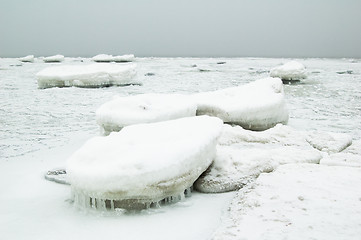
{"x": 297, "y": 201}
{"x": 351, "y": 156}
{"x": 29, "y": 58}
{"x": 143, "y": 163}
{"x": 111, "y": 58}
{"x": 143, "y": 108}
{"x": 242, "y": 155}
{"x": 55, "y": 58}
{"x": 92, "y": 75}
{"x": 329, "y": 142}
{"x": 258, "y": 105}
{"x": 290, "y": 71}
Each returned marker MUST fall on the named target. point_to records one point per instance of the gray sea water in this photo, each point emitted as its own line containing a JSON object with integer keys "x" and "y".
{"x": 33, "y": 119}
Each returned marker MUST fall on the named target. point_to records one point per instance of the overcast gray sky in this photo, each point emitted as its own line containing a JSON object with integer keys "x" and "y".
{"x": 268, "y": 28}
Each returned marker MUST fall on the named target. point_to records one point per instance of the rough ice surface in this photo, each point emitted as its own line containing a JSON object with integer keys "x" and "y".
{"x": 329, "y": 142}
{"x": 289, "y": 71}
{"x": 55, "y": 58}
{"x": 258, "y": 105}
{"x": 91, "y": 75}
{"x": 297, "y": 201}
{"x": 29, "y": 58}
{"x": 351, "y": 156}
{"x": 144, "y": 108}
{"x": 242, "y": 155}
{"x": 111, "y": 58}
{"x": 144, "y": 163}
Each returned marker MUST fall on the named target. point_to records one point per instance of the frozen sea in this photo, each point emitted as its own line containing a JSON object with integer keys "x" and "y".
{"x": 40, "y": 128}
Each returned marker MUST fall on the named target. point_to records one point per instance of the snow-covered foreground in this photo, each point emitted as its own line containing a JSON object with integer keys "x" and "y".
{"x": 33, "y": 208}
{"x": 297, "y": 201}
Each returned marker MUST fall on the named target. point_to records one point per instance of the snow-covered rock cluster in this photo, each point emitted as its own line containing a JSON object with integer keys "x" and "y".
{"x": 92, "y": 75}
{"x": 111, "y": 58}
{"x": 257, "y": 106}
{"x": 290, "y": 71}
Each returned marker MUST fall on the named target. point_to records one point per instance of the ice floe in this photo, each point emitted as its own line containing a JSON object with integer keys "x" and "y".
{"x": 242, "y": 154}
{"x": 143, "y": 108}
{"x": 92, "y": 75}
{"x": 144, "y": 163}
{"x": 258, "y": 105}
{"x": 351, "y": 156}
{"x": 29, "y": 58}
{"x": 290, "y": 71}
{"x": 111, "y": 58}
{"x": 55, "y": 58}
{"x": 297, "y": 201}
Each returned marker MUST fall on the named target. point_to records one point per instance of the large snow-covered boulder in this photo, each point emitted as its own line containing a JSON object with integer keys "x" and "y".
{"x": 29, "y": 58}
{"x": 92, "y": 75}
{"x": 111, "y": 58}
{"x": 144, "y": 163}
{"x": 258, "y": 105}
{"x": 290, "y": 71}
{"x": 55, "y": 58}
{"x": 143, "y": 108}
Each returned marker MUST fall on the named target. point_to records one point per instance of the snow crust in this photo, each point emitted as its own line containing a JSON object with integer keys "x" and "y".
{"x": 145, "y": 162}
{"x": 111, "y": 58}
{"x": 55, "y": 58}
{"x": 29, "y": 58}
{"x": 297, "y": 201}
{"x": 242, "y": 154}
{"x": 144, "y": 108}
{"x": 292, "y": 70}
{"x": 258, "y": 105}
{"x": 91, "y": 75}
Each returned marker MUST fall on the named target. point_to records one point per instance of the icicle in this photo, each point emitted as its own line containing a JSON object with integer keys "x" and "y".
{"x": 112, "y": 205}
{"x": 101, "y": 204}
{"x": 93, "y": 204}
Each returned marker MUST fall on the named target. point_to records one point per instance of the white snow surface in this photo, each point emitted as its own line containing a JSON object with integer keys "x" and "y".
{"x": 146, "y": 161}
{"x": 91, "y": 75}
{"x": 55, "y": 58}
{"x": 351, "y": 156}
{"x": 292, "y": 70}
{"x": 297, "y": 201}
{"x": 143, "y": 108}
{"x": 242, "y": 155}
{"x": 29, "y": 58}
{"x": 258, "y": 105}
{"x": 111, "y": 58}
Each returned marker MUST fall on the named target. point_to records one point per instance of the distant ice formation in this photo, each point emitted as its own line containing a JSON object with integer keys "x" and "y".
{"x": 143, "y": 164}
{"x": 144, "y": 108}
{"x": 55, "y": 58}
{"x": 242, "y": 154}
{"x": 29, "y": 58}
{"x": 291, "y": 71}
{"x": 111, "y": 58}
{"x": 92, "y": 75}
{"x": 258, "y": 105}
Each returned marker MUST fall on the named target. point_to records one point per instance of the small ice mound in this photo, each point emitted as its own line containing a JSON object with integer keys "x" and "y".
{"x": 55, "y": 58}
{"x": 143, "y": 164}
{"x": 242, "y": 155}
{"x": 57, "y": 175}
{"x": 258, "y": 105}
{"x": 144, "y": 108}
{"x": 29, "y": 58}
{"x": 92, "y": 75}
{"x": 329, "y": 142}
{"x": 290, "y": 71}
{"x": 111, "y": 58}
{"x": 350, "y": 157}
